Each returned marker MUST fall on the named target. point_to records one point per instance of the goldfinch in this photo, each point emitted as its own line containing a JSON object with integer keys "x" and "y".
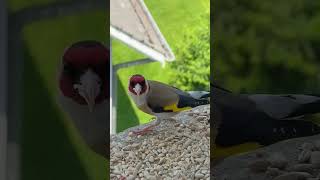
{"x": 84, "y": 91}
{"x": 161, "y": 100}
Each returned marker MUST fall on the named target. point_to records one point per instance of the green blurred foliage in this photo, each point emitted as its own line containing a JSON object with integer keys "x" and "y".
{"x": 267, "y": 46}
{"x": 192, "y": 66}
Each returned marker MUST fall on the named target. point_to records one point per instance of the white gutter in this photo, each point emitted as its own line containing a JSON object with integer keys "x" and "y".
{"x": 139, "y": 46}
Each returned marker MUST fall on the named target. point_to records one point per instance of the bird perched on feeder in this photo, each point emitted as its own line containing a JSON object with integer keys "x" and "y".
{"x": 161, "y": 100}
{"x": 84, "y": 91}
{"x": 249, "y": 121}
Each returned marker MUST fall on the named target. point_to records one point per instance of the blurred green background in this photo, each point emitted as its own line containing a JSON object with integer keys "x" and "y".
{"x": 267, "y": 46}
{"x": 185, "y": 25}
{"x": 51, "y": 147}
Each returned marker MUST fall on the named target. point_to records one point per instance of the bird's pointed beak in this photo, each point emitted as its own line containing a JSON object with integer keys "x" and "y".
{"x": 89, "y": 88}
{"x": 91, "y": 102}
{"x": 137, "y": 88}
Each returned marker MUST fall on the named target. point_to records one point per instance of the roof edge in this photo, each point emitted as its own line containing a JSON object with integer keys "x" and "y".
{"x": 171, "y": 56}
{"x": 148, "y": 51}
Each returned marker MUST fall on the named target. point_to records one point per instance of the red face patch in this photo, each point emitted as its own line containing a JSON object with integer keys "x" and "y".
{"x": 86, "y": 53}
{"x": 137, "y": 79}
{"x": 76, "y": 60}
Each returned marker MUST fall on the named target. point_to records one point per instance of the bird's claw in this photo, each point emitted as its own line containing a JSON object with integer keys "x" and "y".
{"x": 143, "y": 131}
{"x": 137, "y": 133}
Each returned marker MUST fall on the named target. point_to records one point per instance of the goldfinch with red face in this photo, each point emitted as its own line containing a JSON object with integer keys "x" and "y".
{"x": 161, "y": 100}
{"x": 84, "y": 91}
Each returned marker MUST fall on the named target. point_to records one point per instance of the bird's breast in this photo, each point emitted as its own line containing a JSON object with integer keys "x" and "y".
{"x": 145, "y": 108}
{"x": 92, "y": 126}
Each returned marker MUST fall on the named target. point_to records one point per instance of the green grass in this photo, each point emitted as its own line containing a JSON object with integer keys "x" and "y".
{"x": 173, "y": 18}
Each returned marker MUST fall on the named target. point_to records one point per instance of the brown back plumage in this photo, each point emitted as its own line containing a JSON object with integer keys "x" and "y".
{"x": 161, "y": 95}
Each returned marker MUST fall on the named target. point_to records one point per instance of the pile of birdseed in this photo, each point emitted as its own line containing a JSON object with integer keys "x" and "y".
{"x": 293, "y": 159}
{"x": 179, "y": 148}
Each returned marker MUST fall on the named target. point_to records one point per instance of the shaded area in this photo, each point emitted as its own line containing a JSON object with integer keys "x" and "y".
{"x": 45, "y": 59}
{"x": 126, "y": 116}
{"x": 51, "y": 148}
{"x": 47, "y": 152}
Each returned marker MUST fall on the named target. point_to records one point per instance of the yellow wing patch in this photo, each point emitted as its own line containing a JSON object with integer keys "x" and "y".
{"x": 174, "y": 108}
{"x": 222, "y": 152}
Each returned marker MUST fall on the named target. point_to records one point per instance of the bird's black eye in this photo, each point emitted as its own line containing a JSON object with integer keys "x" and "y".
{"x": 67, "y": 68}
{"x": 131, "y": 84}
{"x": 71, "y": 71}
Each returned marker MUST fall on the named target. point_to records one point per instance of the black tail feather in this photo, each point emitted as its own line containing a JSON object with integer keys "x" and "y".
{"x": 188, "y": 101}
{"x": 264, "y": 131}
